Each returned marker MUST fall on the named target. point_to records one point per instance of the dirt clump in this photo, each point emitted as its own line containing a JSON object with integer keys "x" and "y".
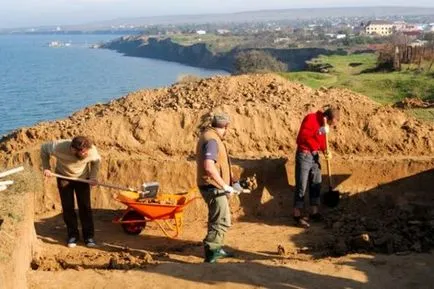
{"x": 87, "y": 260}
{"x": 383, "y": 228}
{"x": 414, "y": 102}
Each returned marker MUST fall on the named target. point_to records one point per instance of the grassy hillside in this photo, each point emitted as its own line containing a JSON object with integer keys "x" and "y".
{"x": 384, "y": 87}
{"x": 215, "y": 43}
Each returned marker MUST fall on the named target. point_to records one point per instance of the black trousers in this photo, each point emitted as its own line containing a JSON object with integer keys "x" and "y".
{"x": 82, "y": 192}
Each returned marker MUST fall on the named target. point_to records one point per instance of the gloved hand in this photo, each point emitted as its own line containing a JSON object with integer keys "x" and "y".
{"x": 229, "y": 190}
{"x": 328, "y": 155}
{"x": 324, "y": 130}
{"x": 237, "y": 187}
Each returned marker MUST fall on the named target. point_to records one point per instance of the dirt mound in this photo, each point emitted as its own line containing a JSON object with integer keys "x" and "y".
{"x": 414, "y": 103}
{"x": 266, "y": 110}
{"x": 99, "y": 260}
{"x": 385, "y": 229}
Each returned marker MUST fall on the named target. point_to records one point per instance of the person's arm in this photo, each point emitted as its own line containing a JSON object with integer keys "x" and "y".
{"x": 47, "y": 149}
{"x": 309, "y": 133}
{"x": 94, "y": 168}
{"x": 212, "y": 172}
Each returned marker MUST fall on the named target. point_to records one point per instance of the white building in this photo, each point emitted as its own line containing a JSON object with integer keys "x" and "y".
{"x": 223, "y": 31}
{"x": 379, "y": 27}
{"x": 201, "y": 32}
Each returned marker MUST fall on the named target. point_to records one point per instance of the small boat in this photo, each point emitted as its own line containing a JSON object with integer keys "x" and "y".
{"x": 55, "y": 44}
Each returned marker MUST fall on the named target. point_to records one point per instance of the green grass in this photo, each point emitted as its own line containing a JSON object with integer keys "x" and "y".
{"x": 383, "y": 87}
{"x": 423, "y": 113}
{"x": 215, "y": 43}
{"x": 312, "y": 79}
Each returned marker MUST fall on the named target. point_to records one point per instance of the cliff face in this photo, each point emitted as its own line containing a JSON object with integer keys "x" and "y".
{"x": 199, "y": 55}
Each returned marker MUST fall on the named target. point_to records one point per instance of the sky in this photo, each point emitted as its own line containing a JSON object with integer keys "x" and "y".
{"x": 26, "y": 13}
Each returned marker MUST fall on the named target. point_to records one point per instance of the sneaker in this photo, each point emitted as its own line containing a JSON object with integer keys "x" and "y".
{"x": 72, "y": 242}
{"x": 301, "y": 222}
{"x": 90, "y": 243}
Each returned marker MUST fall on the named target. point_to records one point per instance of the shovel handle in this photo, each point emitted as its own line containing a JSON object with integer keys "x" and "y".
{"x": 98, "y": 184}
{"x": 329, "y": 169}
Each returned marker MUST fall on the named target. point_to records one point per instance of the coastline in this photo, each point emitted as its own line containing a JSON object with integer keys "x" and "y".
{"x": 199, "y": 55}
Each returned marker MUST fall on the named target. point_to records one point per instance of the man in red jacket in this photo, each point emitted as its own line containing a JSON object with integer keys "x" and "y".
{"x": 310, "y": 141}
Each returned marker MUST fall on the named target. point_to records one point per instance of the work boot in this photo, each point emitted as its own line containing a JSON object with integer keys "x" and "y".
{"x": 225, "y": 254}
{"x": 211, "y": 256}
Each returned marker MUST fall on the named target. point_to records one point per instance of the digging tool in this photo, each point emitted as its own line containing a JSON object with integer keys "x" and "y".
{"x": 6, "y": 183}
{"x": 148, "y": 189}
{"x": 239, "y": 189}
{"x": 330, "y": 198}
{"x": 11, "y": 172}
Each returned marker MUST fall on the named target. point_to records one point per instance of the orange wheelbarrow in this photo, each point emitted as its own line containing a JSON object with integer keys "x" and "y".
{"x": 165, "y": 209}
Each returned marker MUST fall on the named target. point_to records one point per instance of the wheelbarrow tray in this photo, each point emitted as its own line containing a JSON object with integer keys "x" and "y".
{"x": 155, "y": 211}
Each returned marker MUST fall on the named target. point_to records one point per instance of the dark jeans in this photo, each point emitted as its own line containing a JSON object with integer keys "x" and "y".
{"x": 82, "y": 192}
{"x": 219, "y": 217}
{"x": 307, "y": 173}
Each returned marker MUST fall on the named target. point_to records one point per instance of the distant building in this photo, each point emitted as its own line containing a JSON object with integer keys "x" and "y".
{"x": 282, "y": 40}
{"x": 379, "y": 27}
{"x": 399, "y": 25}
{"x": 408, "y": 28}
{"x": 341, "y": 36}
{"x": 418, "y": 43}
{"x": 201, "y": 32}
{"x": 412, "y": 33}
{"x": 223, "y": 31}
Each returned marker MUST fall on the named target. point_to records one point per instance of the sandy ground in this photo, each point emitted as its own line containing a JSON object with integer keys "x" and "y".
{"x": 178, "y": 263}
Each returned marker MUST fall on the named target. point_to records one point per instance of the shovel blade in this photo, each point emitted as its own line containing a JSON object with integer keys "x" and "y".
{"x": 331, "y": 198}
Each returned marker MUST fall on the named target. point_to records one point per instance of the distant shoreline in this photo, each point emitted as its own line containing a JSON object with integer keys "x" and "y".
{"x": 199, "y": 55}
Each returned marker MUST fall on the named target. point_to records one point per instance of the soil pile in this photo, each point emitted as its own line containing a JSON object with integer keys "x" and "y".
{"x": 408, "y": 103}
{"x": 152, "y": 134}
{"x": 266, "y": 110}
{"x": 99, "y": 260}
{"x": 387, "y": 228}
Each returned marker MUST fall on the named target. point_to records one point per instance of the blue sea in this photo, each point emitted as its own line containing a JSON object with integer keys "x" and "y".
{"x": 39, "y": 83}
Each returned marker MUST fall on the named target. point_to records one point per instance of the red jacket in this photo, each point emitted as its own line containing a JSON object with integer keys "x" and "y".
{"x": 308, "y": 138}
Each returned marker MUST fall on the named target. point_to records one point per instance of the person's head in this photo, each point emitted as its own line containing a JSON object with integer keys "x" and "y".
{"x": 333, "y": 115}
{"x": 221, "y": 122}
{"x": 80, "y": 146}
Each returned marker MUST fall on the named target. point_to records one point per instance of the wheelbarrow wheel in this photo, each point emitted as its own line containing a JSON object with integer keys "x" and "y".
{"x": 133, "y": 228}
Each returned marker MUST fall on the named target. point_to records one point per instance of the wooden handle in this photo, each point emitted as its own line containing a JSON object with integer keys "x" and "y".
{"x": 98, "y": 184}
{"x": 6, "y": 183}
{"x": 329, "y": 169}
{"x": 12, "y": 171}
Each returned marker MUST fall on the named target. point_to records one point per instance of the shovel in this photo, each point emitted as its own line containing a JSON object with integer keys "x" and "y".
{"x": 149, "y": 193}
{"x": 330, "y": 198}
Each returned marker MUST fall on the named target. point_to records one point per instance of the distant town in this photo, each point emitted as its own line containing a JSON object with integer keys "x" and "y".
{"x": 283, "y": 33}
